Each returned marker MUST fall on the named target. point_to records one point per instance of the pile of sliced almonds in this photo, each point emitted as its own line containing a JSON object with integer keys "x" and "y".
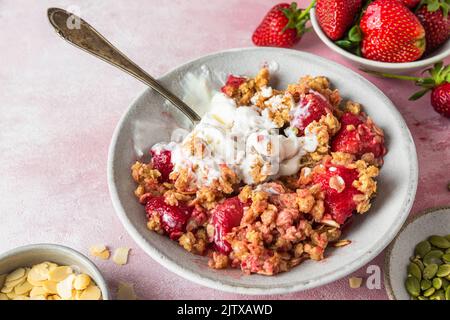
{"x": 48, "y": 281}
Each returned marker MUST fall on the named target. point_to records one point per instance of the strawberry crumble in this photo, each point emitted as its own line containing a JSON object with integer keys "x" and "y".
{"x": 267, "y": 178}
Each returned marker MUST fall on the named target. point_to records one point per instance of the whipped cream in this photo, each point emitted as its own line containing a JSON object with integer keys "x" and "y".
{"x": 241, "y": 138}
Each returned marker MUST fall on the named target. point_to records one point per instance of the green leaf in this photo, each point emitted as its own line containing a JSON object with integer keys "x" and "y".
{"x": 354, "y": 34}
{"x": 418, "y": 95}
{"x": 345, "y": 44}
{"x": 433, "y": 5}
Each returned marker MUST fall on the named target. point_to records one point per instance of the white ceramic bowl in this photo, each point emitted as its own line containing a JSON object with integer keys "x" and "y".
{"x": 30, "y": 255}
{"x": 400, "y": 68}
{"x": 148, "y": 120}
{"x": 435, "y": 221}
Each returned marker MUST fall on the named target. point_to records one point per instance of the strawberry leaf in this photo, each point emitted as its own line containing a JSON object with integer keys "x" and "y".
{"x": 418, "y": 94}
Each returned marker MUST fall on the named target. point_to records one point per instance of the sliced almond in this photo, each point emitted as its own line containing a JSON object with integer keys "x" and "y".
{"x": 21, "y": 297}
{"x": 126, "y": 292}
{"x": 13, "y": 283}
{"x": 120, "y": 256}
{"x": 91, "y": 293}
{"x": 3, "y": 296}
{"x": 12, "y": 295}
{"x": 81, "y": 282}
{"x": 16, "y": 274}
{"x": 2, "y": 280}
{"x": 50, "y": 287}
{"x": 39, "y": 297}
{"x": 23, "y": 288}
{"x": 37, "y": 291}
{"x": 60, "y": 273}
{"x": 65, "y": 287}
{"x": 7, "y": 289}
{"x": 38, "y": 273}
{"x": 355, "y": 282}
{"x": 99, "y": 251}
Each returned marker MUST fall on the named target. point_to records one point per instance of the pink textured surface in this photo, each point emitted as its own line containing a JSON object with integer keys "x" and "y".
{"x": 59, "y": 107}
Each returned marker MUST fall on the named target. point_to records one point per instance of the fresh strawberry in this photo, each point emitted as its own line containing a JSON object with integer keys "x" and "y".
{"x": 311, "y": 107}
{"x": 161, "y": 161}
{"x": 226, "y": 216}
{"x": 391, "y": 33}
{"x": 283, "y": 26}
{"x": 359, "y": 136}
{"x": 232, "y": 84}
{"x": 336, "y": 16}
{"x": 337, "y": 182}
{"x": 411, "y": 4}
{"x": 433, "y": 14}
{"x": 173, "y": 219}
{"x": 438, "y": 83}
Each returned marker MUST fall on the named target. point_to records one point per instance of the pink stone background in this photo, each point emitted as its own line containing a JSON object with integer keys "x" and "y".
{"x": 59, "y": 107}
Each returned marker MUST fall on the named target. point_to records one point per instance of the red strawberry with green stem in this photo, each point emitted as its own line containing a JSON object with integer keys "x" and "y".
{"x": 438, "y": 83}
{"x": 391, "y": 33}
{"x": 283, "y": 26}
{"x": 336, "y": 16}
{"x": 433, "y": 14}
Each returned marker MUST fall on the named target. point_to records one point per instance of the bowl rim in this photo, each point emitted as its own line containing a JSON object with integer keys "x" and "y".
{"x": 69, "y": 251}
{"x": 376, "y": 64}
{"x": 241, "y": 289}
{"x": 387, "y": 259}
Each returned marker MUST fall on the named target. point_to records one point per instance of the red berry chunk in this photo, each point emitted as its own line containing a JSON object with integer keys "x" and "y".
{"x": 311, "y": 108}
{"x": 161, "y": 162}
{"x": 232, "y": 84}
{"x": 173, "y": 218}
{"x": 358, "y": 136}
{"x": 226, "y": 216}
{"x": 337, "y": 183}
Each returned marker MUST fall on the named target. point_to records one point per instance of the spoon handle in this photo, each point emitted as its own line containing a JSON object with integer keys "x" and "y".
{"x": 79, "y": 33}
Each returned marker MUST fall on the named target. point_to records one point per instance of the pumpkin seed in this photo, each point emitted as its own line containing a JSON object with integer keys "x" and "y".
{"x": 438, "y": 295}
{"x": 425, "y": 284}
{"x": 446, "y": 257}
{"x": 412, "y": 286}
{"x": 437, "y": 283}
{"x": 414, "y": 270}
{"x": 429, "y": 292}
{"x": 447, "y": 293}
{"x": 443, "y": 270}
{"x": 445, "y": 283}
{"x": 422, "y": 298}
{"x": 419, "y": 263}
{"x": 422, "y": 248}
{"x": 430, "y": 271}
{"x": 447, "y": 237}
{"x": 440, "y": 242}
{"x": 433, "y": 257}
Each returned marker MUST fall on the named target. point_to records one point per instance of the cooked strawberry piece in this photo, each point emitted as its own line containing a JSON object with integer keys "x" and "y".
{"x": 337, "y": 182}
{"x": 358, "y": 136}
{"x": 226, "y": 216}
{"x": 311, "y": 108}
{"x": 232, "y": 84}
{"x": 173, "y": 218}
{"x": 161, "y": 160}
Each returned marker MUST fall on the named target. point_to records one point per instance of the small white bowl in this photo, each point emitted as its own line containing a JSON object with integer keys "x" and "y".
{"x": 30, "y": 255}
{"x": 404, "y": 67}
{"x": 434, "y": 221}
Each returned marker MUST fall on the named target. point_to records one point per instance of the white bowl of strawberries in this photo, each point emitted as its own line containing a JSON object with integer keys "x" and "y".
{"x": 398, "y": 36}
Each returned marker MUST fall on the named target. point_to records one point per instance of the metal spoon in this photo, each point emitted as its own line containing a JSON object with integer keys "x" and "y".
{"x": 79, "y": 33}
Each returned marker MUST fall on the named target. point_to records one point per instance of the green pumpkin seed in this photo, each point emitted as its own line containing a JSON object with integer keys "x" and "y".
{"x": 425, "y": 284}
{"x": 447, "y": 293}
{"x": 430, "y": 271}
{"x": 433, "y": 257}
{"x": 440, "y": 242}
{"x": 438, "y": 295}
{"x": 429, "y": 292}
{"x": 412, "y": 286}
{"x": 447, "y": 237}
{"x": 446, "y": 257}
{"x": 437, "y": 283}
{"x": 445, "y": 283}
{"x": 422, "y": 248}
{"x": 414, "y": 270}
{"x": 422, "y": 298}
{"x": 443, "y": 270}
{"x": 419, "y": 263}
